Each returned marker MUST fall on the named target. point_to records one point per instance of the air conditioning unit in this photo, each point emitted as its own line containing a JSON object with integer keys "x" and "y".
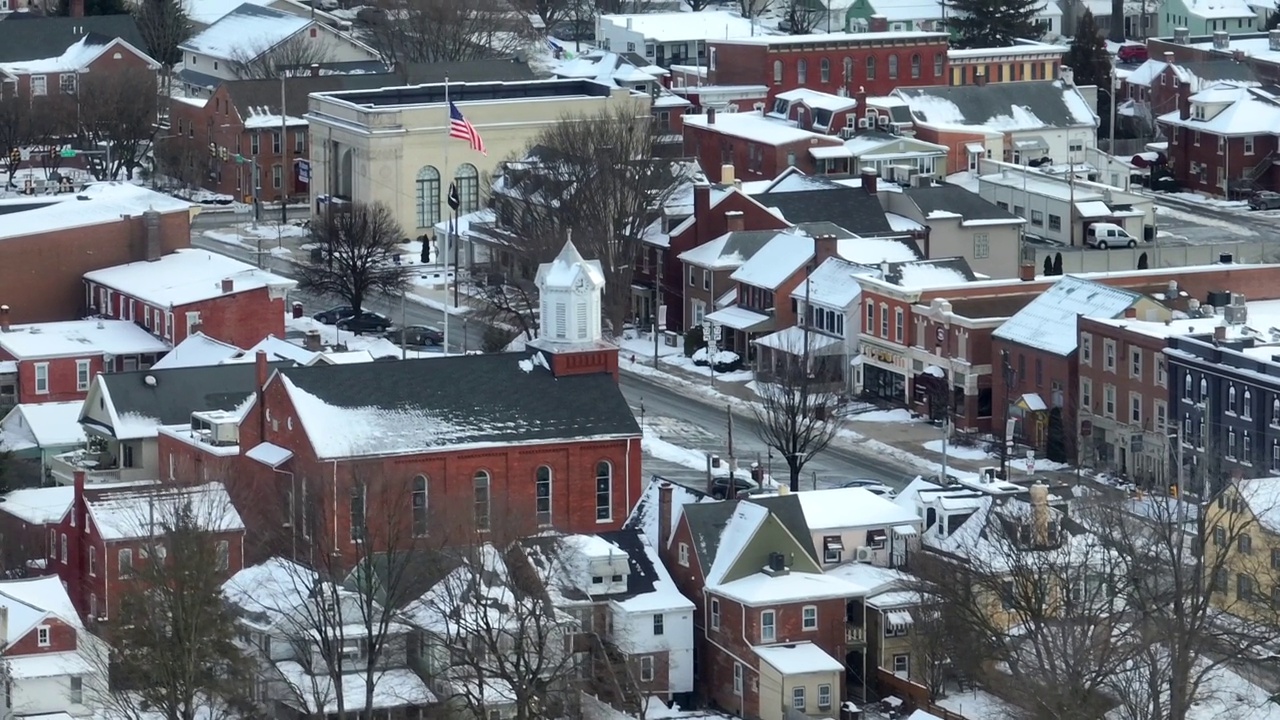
{"x": 759, "y": 106}
{"x": 883, "y": 120}
{"x": 864, "y": 123}
{"x": 847, "y": 132}
{"x": 864, "y": 554}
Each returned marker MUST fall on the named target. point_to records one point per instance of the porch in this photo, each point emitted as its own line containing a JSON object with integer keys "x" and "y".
{"x": 824, "y": 358}
{"x": 102, "y": 460}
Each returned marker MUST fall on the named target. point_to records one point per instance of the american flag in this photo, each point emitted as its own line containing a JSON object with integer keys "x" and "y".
{"x": 461, "y": 129}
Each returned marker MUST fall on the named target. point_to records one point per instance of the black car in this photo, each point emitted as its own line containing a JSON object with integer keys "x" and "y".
{"x": 1265, "y": 200}
{"x": 418, "y": 336}
{"x": 742, "y": 484}
{"x": 366, "y": 322}
{"x": 334, "y": 314}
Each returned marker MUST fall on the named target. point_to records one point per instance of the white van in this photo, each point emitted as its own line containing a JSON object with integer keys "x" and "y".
{"x": 1105, "y": 235}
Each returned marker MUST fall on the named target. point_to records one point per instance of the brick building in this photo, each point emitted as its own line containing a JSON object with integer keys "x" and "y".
{"x": 53, "y": 56}
{"x": 758, "y": 148}
{"x": 510, "y": 443}
{"x": 243, "y": 117}
{"x": 56, "y": 362}
{"x": 191, "y": 291}
{"x": 837, "y": 63}
{"x": 1223, "y": 140}
{"x": 47, "y": 246}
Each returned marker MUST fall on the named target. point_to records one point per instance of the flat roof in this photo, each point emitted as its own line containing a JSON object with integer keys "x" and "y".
{"x": 434, "y": 94}
{"x": 834, "y": 37}
{"x": 97, "y": 203}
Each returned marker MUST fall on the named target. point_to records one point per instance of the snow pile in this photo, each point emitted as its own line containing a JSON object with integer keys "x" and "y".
{"x": 958, "y": 452}
{"x": 897, "y": 415}
{"x": 722, "y": 357}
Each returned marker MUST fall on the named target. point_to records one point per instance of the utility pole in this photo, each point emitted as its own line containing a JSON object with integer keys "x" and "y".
{"x": 284, "y": 156}
{"x": 657, "y": 308}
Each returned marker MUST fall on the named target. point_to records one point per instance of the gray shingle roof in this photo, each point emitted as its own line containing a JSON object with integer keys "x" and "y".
{"x": 246, "y": 94}
{"x": 489, "y": 398}
{"x": 984, "y": 104}
{"x": 853, "y": 209}
{"x": 955, "y": 199}
{"x": 175, "y": 393}
{"x": 27, "y": 37}
{"x": 491, "y": 70}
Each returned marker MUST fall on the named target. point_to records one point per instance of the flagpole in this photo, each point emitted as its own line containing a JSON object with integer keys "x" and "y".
{"x": 448, "y": 229}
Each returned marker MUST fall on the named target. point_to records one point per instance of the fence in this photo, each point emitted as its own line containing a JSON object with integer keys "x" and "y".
{"x": 1078, "y": 260}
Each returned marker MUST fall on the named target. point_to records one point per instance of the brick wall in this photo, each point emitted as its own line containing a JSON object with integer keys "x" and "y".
{"x": 41, "y": 274}
{"x": 62, "y": 638}
{"x": 240, "y": 318}
{"x": 751, "y": 64}
{"x": 62, "y": 374}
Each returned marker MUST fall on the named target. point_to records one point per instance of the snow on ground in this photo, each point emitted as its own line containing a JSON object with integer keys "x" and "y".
{"x": 977, "y": 703}
{"x": 686, "y": 364}
{"x": 1204, "y": 220}
{"x": 331, "y": 336}
{"x": 672, "y": 453}
{"x": 1207, "y": 201}
{"x": 897, "y": 415}
{"x": 958, "y": 452}
{"x": 640, "y": 346}
{"x": 248, "y": 234}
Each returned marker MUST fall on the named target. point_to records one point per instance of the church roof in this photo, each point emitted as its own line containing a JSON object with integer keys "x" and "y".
{"x": 568, "y": 266}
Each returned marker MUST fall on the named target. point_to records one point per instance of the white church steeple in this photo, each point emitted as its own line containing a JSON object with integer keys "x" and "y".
{"x": 570, "y": 289}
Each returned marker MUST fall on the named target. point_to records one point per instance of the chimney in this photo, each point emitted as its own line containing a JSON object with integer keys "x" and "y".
{"x": 1067, "y": 75}
{"x": 151, "y": 221}
{"x": 861, "y": 98}
{"x": 261, "y": 368}
{"x": 1182, "y": 36}
{"x": 701, "y": 202}
{"x": 733, "y": 221}
{"x": 228, "y": 285}
{"x": 1168, "y": 57}
{"x": 1040, "y": 514}
{"x": 76, "y": 8}
{"x": 1221, "y": 40}
{"x": 1131, "y": 313}
{"x": 980, "y": 77}
{"x": 79, "y": 515}
{"x": 1184, "y": 100}
{"x": 260, "y": 375}
{"x": 4, "y": 318}
{"x": 664, "y": 515}
{"x": 726, "y": 174}
{"x": 711, "y": 116}
{"x": 878, "y": 23}
{"x": 1220, "y": 333}
{"x": 1273, "y": 40}
{"x": 1027, "y": 272}
{"x": 313, "y": 342}
{"x": 315, "y": 70}
{"x": 824, "y": 246}
{"x": 868, "y": 175}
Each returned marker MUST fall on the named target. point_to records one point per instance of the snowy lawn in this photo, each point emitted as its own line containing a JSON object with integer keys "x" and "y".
{"x": 897, "y": 415}
{"x": 332, "y": 336}
{"x": 978, "y": 704}
{"x": 248, "y": 234}
{"x": 957, "y": 452}
{"x": 1208, "y": 201}
{"x": 640, "y": 345}
{"x": 1204, "y": 221}
{"x": 686, "y": 364}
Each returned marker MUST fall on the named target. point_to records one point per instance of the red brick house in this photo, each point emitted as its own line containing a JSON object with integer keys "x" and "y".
{"x": 56, "y": 362}
{"x": 243, "y": 117}
{"x": 1223, "y": 140}
{"x": 191, "y": 291}
{"x": 93, "y": 537}
{"x": 755, "y": 146}
{"x": 837, "y": 63}
{"x": 62, "y": 74}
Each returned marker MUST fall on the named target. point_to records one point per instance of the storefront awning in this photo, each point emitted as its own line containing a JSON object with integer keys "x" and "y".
{"x": 898, "y": 618}
{"x": 740, "y": 319}
{"x": 791, "y": 341}
{"x": 975, "y": 148}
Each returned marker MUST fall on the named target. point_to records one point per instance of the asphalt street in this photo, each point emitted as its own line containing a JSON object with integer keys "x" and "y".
{"x": 463, "y": 335}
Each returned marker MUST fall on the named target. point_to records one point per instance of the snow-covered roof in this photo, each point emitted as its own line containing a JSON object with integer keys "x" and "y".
{"x": 263, "y": 118}
{"x": 819, "y": 100}
{"x": 778, "y": 260}
{"x": 755, "y": 127}
{"x": 197, "y": 350}
{"x": 831, "y": 284}
{"x": 147, "y": 513}
{"x": 42, "y": 425}
{"x": 1028, "y": 48}
{"x": 874, "y": 578}
{"x": 274, "y": 587}
{"x": 30, "y": 600}
{"x": 47, "y": 665}
{"x": 208, "y": 12}
{"x": 1219, "y": 9}
{"x": 1147, "y": 72}
{"x": 80, "y": 338}
{"x": 317, "y": 695}
{"x": 683, "y": 26}
{"x": 738, "y": 531}
{"x": 1000, "y": 107}
{"x": 567, "y": 267}
{"x": 929, "y": 274}
{"x": 902, "y": 223}
{"x": 276, "y": 349}
{"x": 1247, "y": 111}
{"x": 798, "y": 658}
{"x": 645, "y": 518}
{"x": 269, "y": 454}
{"x": 873, "y": 251}
{"x": 246, "y": 32}
{"x": 186, "y": 276}
{"x": 762, "y": 589}
{"x": 738, "y": 318}
{"x": 39, "y": 506}
{"x": 73, "y": 59}
{"x": 792, "y": 340}
{"x": 1049, "y": 322}
{"x": 855, "y": 507}
{"x": 1262, "y": 495}
{"x": 866, "y": 38}
{"x": 96, "y": 204}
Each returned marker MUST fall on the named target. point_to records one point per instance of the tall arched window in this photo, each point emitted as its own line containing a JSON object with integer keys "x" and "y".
{"x": 468, "y": 179}
{"x": 915, "y": 66}
{"x": 355, "y": 511}
{"x": 420, "y": 505}
{"x": 1186, "y": 388}
{"x": 871, "y": 67}
{"x": 802, "y": 71}
{"x": 542, "y": 496}
{"x": 1231, "y": 399}
{"x": 1204, "y": 389}
{"x": 1275, "y": 411}
{"x": 848, "y": 69}
{"x": 604, "y": 490}
{"x": 893, "y": 67}
{"x": 777, "y": 72}
{"x": 481, "y": 485}
{"x": 428, "y": 197}
{"x": 824, "y": 70}
{"x": 1246, "y": 404}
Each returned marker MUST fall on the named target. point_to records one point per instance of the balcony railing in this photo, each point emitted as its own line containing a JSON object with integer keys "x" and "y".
{"x": 97, "y": 467}
{"x": 854, "y": 634}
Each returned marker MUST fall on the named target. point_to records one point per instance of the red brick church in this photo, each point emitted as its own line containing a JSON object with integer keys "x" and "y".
{"x": 340, "y": 460}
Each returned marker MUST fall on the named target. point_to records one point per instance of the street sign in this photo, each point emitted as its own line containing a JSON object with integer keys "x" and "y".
{"x": 67, "y": 153}
{"x": 1031, "y": 462}
{"x": 304, "y": 170}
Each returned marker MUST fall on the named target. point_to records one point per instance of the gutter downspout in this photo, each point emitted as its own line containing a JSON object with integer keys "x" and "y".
{"x": 628, "y": 478}
{"x": 293, "y": 514}
{"x": 335, "y": 506}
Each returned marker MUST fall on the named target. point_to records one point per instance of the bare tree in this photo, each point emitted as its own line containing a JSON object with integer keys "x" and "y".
{"x": 118, "y": 109}
{"x": 429, "y": 31}
{"x": 509, "y": 311}
{"x": 358, "y": 248}
{"x": 594, "y": 179}
{"x": 803, "y": 16}
{"x": 550, "y": 12}
{"x": 15, "y": 131}
{"x": 173, "y": 637}
{"x": 795, "y": 412}
{"x": 53, "y": 125}
{"x": 179, "y": 161}
{"x": 263, "y": 62}
{"x": 696, "y": 5}
{"x": 754, "y": 8}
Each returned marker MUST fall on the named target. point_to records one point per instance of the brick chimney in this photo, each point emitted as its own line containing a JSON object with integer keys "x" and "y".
{"x": 824, "y": 246}
{"x": 861, "y": 98}
{"x": 701, "y": 213}
{"x": 664, "y": 515}
{"x": 869, "y": 182}
{"x": 1131, "y": 313}
{"x": 261, "y": 369}
{"x": 980, "y": 77}
{"x": 1168, "y": 57}
{"x": 4, "y": 318}
{"x": 1027, "y": 272}
{"x": 151, "y": 224}
{"x": 75, "y": 551}
{"x": 878, "y": 23}
{"x": 733, "y": 221}
{"x": 1184, "y": 100}
{"x": 313, "y": 341}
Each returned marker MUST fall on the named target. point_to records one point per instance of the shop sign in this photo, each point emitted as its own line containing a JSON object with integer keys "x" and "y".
{"x": 886, "y": 357}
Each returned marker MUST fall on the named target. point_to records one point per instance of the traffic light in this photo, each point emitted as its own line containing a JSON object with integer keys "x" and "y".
{"x": 213, "y": 150}
{"x": 222, "y": 153}
{"x": 15, "y": 156}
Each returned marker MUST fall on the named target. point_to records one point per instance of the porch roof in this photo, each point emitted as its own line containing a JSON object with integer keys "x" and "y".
{"x": 740, "y": 318}
{"x": 791, "y": 341}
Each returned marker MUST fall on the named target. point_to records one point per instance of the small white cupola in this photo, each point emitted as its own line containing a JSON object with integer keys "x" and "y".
{"x": 569, "y": 290}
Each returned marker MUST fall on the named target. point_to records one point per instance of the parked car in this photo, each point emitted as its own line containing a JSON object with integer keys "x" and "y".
{"x": 1106, "y": 235}
{"x": 873, "y": 486}
{"x": 367, "y": 322}
{"x": 742, "y": 485}
{"x": 417, "y": 335}
{"x": 333, "y": 314}
{"x": 1265, "y": 200}
{"x": 1134, "y": 53}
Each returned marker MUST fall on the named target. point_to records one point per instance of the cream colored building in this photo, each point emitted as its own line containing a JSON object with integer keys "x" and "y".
{"x": 392, "y": 145}
{"x": 798, "y": 677}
